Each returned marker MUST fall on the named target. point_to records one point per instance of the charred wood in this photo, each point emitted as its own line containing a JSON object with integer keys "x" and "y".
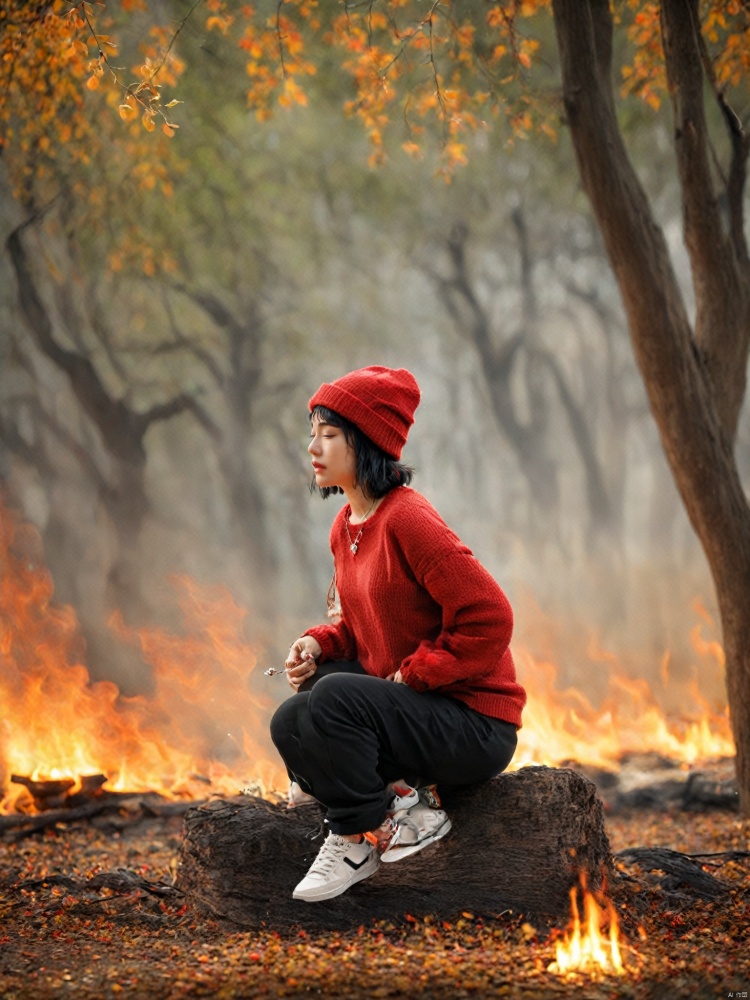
{"x": 670, "y": 871}
{"x": 46, "y": 794}
{"x": 652, "y": 781}
{"x": 122, "y": 809}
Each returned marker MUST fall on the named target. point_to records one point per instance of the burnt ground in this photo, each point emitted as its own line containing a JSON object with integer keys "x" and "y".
{"x": 128, "y": 935}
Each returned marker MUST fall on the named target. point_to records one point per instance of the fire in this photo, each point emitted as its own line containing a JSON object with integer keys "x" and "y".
{"x": 561, "y": 724}
{"x": 204, "y": 726}
{"x": 202, "y": 729}
{"x": 585, "y": 947}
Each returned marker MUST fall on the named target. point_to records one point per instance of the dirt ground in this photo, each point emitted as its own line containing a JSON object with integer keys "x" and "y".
{"x": 57, "y": 939}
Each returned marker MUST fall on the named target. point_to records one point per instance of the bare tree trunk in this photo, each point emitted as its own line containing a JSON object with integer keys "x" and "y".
{"x": 695, "y": 379}
{"x": 121, "y": 431}
{"x": 528, "y": 437}
{"x": 239, "y": 380}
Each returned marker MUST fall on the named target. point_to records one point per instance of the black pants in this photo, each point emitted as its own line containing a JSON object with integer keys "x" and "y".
{"x": 345, "y": 735}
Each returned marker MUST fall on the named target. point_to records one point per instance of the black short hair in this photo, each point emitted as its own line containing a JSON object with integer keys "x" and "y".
{"x": 377, "y": 472}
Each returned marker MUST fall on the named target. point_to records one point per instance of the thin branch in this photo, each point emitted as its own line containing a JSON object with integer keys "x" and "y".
{"x": 134, "y": 90}
{"x": 172, "y": 408}
{"x": 740, "y": 141}
{"x": 183, "y": 342}
{"x": 280, "y": 37}
{"x": 177, "y": 31}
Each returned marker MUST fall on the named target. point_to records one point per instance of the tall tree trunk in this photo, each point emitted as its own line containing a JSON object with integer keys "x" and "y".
{"x": 694, "y": 378}
{"x": 121, "y": 431}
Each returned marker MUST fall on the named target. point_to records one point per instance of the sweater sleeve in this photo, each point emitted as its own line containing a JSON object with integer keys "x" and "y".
{"x": 336, "y": 642}
{"x": 477, "y": 619}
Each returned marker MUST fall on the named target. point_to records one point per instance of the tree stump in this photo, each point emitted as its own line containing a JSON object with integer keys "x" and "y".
{"x": 519, "y": 841}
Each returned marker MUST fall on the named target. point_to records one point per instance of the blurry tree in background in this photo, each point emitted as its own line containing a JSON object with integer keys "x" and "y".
{"x": 222, "y": 258}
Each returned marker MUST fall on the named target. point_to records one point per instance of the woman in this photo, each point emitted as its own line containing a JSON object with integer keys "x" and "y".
{"x": 415, "y": 683}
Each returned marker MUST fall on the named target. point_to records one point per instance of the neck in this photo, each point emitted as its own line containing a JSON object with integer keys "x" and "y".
{"x": 361, "y": 505}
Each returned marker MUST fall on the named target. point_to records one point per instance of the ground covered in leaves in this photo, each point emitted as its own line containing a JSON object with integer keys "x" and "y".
{"x": 88, "y": 911}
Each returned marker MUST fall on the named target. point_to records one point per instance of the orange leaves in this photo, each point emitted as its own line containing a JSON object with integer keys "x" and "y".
{"x": 71, "y": 117}
{"x": 725, "y": 28}
{"x": 56, "y": 80}
{"x": 406, "y": 69}
{"x": 127, "y": 109}
{"x": 645, "y": 76}
{"x": 277, "y": 61}
{"x": 217, "y": 23}
{"x": 408, "y": 65}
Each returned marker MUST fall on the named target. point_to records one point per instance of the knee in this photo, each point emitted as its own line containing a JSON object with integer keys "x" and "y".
{"x": 335, "y": 695}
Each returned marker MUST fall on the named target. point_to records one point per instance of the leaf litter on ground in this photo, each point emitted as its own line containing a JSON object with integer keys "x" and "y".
{"x": 90, "y": 910}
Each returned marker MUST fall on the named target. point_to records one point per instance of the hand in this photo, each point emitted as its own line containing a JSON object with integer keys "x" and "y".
{"x": 396, "y": 678}
{"x": 300, "y": 663}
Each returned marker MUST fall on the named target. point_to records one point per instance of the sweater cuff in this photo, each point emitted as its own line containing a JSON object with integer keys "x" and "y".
{"x": 325, "y": 639}
{"x": 429, "y": 667}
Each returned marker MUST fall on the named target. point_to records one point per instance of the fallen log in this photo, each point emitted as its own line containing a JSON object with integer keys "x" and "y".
{"x": 122, "y": 808}
{"x": 519, "y": 842}
{"x": 671, "y": 870}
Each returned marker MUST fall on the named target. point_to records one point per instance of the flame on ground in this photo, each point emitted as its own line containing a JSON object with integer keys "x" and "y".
{"x": 202, "y": 729}
{"x": 591, "y": 944}
{"x": 563, "y": 725}
{"x": 205, "y": 728}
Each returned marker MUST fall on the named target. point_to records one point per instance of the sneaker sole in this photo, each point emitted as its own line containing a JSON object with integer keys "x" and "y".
{"x": 397, "y": 853}
{"x": 317, "y": 894}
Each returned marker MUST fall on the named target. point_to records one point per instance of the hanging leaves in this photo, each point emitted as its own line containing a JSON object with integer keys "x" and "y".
{"x": 407, "y": 68}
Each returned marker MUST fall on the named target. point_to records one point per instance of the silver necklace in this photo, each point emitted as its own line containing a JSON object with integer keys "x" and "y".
{"x": 354, "y": 545}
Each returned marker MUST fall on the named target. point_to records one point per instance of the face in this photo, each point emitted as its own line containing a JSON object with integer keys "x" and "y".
{"x": 333, "y": 458}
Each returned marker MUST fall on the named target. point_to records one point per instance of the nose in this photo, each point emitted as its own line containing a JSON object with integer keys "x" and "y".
{"x": 314, "y": 447}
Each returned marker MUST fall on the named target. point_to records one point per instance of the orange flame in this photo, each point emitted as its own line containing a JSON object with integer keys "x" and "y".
{"x": 563, "y": 725}
{"x": 585, "y": 947}
{"x": 202, "y": 728}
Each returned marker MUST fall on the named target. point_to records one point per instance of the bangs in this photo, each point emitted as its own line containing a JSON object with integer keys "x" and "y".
{"x": 327, "y": 416}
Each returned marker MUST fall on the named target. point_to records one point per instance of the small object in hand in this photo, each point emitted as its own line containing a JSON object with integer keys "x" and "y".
{"x": 272, "y": 671}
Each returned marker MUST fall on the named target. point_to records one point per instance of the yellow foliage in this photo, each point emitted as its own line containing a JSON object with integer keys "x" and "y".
{"x": 407, "y": 65}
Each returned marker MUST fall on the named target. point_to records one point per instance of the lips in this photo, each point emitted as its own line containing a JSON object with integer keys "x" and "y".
{"x": 318, "y": 467}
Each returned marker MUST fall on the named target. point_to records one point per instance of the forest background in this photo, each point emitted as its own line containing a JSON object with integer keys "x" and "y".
{"x": 195, "y": 274}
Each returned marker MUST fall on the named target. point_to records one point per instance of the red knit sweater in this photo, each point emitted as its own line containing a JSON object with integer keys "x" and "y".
{"x": 414, "y": 598}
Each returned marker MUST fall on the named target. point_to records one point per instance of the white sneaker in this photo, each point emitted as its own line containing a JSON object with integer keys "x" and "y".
{"x": 418, "y": 820}
{"x": 339, "y": 864}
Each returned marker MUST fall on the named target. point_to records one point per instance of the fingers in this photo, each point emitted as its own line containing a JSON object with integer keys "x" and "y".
{"x": 299, "y": 672}
{"x": 294, "y": 656}
{"x": 303, "y": 648}
{"x": 300, "y": 663}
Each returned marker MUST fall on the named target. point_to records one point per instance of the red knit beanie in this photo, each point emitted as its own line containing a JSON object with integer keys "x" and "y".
{"x": 380, "y": 401}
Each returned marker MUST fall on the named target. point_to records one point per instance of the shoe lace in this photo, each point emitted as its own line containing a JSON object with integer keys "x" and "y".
{"x": 333, "y": 849}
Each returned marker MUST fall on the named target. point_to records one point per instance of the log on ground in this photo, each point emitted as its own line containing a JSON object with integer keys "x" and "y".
{"x": 519, "y": 842}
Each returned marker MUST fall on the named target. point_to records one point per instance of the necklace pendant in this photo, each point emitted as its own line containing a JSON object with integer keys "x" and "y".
{"x": 353, "y": 548}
